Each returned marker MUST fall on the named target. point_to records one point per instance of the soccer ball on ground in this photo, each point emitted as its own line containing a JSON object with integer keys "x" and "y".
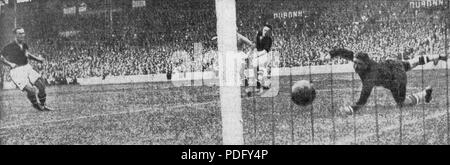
{"x": 303, "y": 93}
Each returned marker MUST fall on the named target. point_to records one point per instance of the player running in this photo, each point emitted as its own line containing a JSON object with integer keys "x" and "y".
{"x": 259, "y": 59}
{"x": 390, "y": 74}
{"x": 16, "y": 56}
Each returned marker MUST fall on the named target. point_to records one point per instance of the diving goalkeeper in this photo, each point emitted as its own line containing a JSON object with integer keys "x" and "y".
{"x": 390, "y": 74}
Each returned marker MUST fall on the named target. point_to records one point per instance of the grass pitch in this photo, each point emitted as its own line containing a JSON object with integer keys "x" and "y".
{"x": 162, "y": 114}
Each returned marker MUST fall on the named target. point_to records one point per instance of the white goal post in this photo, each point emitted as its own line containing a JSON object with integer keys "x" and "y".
{"x": 229, "y": 63}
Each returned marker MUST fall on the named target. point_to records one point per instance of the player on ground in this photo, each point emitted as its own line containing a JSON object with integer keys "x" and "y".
{"x": 390, "y": 74}
{"x": 16, "y": 56}
{"x": 261, "y": 59}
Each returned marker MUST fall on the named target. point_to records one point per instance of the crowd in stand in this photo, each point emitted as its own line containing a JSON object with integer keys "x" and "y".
{"x": 160, "y": 37}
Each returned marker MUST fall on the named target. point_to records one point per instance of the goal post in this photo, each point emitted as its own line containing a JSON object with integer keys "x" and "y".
{"x": 229, "y": 78}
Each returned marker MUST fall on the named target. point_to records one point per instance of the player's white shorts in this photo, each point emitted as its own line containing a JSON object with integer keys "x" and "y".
{"x": 23, "y": 76}
{"x": 260, "y": 59}
{"x": 243, "y": 55}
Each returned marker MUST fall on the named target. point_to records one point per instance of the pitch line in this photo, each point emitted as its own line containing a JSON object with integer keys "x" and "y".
{"x": 347, "y": 140}
{"x": 108, "y": 114}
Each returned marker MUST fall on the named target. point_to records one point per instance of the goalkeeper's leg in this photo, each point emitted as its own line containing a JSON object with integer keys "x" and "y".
{"x": 420, "y": 97}
{"x": 421, "y": 60}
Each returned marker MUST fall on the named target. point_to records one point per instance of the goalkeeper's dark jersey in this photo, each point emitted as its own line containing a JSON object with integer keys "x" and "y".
{"x": 390, "y": 74}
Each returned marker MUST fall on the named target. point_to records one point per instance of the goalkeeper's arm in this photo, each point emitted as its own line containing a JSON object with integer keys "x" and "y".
{"x": 365, "y": 93}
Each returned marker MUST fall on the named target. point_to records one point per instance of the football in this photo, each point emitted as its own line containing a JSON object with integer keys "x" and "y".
{"x": 303, "y": 93}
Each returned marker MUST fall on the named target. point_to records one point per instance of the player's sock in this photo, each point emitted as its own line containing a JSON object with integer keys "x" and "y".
{"x": 246, "y": 84}
{"x": 423, "y": 60}
{"x": 435, "y": 58}
{"x": 32, "y": 97}
{"x": 417, "y": 98}
{"x": 42, "y": 98}
{"x": 258, "y": 85}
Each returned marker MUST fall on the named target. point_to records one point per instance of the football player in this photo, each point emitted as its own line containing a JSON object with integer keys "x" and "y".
{"x": 16, "y": 55}
{"x": 390, "y": 74}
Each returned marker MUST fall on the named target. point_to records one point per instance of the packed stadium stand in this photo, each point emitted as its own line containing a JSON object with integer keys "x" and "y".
{"x": 98, "y": 38}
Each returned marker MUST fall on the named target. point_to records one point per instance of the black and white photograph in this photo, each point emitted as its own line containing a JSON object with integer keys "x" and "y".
{"x": 224, "y": 72}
